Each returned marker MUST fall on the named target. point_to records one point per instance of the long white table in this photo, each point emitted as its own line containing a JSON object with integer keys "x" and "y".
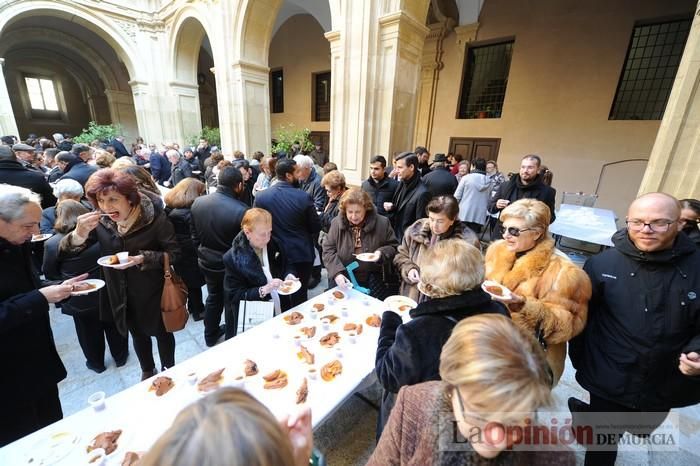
{"x": 588, "y": 224}
{"x": 143, "y": 416}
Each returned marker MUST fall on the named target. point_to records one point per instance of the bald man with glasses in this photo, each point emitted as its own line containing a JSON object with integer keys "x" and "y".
{"x": 640, "y": 351}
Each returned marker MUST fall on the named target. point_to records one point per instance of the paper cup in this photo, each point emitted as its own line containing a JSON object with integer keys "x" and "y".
{"x": 312, "y": 373}
{"x": 97, "y": 401}
{"x": 123, "y": 257}
{"x": 97, "y": 457}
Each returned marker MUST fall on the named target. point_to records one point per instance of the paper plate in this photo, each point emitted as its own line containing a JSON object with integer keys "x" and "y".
{"x": 400, "y": 303}
{"x": 490, "y": 287}
{"x": 289, "y": 287}
{"x": 52, "y": 449}
{"x": 92, "y": 281}
{"x": 368, "y": 256}
{"x": 104, "y": 262}
{"x": 44, "y": 237}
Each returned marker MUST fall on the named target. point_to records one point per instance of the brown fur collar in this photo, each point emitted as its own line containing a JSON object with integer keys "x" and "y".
{"x": 503, "y": 266}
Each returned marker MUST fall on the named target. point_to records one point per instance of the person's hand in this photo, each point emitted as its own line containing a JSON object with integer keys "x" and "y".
{"x": 413, "y": 276}
{"x": 298, "y": 429}
{"x": 272, "y": 285}
{"x": 86, "y": 223}
{"x": 77, "y": 279}
{"x": 502, "y": 203}
{"x": 342, "y": 281}
{"x": 690, "y": 363}
{"x": 56, "y": 293}
{"x": 514, "y": 302}
{"x": 388, "y": 206}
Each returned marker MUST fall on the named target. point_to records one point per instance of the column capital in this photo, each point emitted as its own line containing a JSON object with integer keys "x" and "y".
{"x": 466, "y": 34}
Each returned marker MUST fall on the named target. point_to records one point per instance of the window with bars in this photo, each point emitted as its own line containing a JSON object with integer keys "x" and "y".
{"x": 277, "y": 91}
{"x": 652, "y": 60}
{"x": 322, "y": 96}
{"x": 42, "y": 93}
{"x": 484, "y": 82}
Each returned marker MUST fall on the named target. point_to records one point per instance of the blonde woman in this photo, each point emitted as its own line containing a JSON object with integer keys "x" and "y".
{"x": 232, "y": 428}
{"x": 494, "y": 378}
{"x": 408, "y": 354}
{"x": 550, "y": 293}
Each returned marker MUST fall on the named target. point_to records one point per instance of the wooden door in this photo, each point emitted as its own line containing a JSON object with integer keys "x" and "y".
{"x": 475, "y": 148}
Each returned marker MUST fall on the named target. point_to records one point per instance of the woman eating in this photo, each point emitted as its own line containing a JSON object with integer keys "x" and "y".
{"x": 358, "y": 229}
{"x": 133, "y": 221}
{"x": 549, "y": 292}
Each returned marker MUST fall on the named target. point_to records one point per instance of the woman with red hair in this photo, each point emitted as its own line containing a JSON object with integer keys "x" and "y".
{"x": 130, "y": 220}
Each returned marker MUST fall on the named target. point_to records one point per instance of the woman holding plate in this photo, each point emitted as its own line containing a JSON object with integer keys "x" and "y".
{"x": 132, "y": 221}
{"x": 358, "y": 232}
{"x": 254, "y": 267}
{"x": 84, "y": 309}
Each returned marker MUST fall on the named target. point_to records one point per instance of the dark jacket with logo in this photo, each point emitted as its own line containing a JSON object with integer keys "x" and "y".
{"x": 514, "y": 189}
{"x": 380, "y": 192}
{"x": 644, "y": 312}
{"x": 410, "y": 200}
{"x": 12, "y": 172}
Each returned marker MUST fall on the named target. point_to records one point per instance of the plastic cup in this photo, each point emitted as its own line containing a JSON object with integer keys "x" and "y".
{"x": 326, "y": 325}
{"x": 97, "y": 457}
{"x": 312, "y": 373}
{"x": 338, "y": 352}
{"x": 192, "y": 378}
{"x": 352, "y": 338}
{"x": 97, "y": 401}
{"x": 123, "y": 257}
{"x": 344, "y": 311}
{"x": 313, "y": 315}
{"x": 297, "y": 341}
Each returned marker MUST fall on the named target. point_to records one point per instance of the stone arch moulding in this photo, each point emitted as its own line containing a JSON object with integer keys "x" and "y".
{"x": 187, "y": 31}
{"x": 116, "y": 32}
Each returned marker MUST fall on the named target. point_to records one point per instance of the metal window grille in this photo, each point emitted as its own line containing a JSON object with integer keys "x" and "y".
{"x": 485, "y": 80}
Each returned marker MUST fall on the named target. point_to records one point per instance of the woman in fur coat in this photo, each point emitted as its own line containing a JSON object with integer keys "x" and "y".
{"x": 549, "y": 292}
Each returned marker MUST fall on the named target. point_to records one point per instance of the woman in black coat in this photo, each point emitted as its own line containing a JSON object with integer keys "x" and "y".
{"x": 132, "y": 221}
{"x": 177, "y": 205}
{"x": 90, "y": 329}
{"x": 407, "y": 354}
{"x": 254, "y": 265}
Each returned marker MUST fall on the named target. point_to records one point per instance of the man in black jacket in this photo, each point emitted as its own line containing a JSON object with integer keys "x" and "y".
{"x": 180, "y": 168}
{"x": 12, "y": 172}
{"x": 440, "y": 181}
{"x": 217, "y": 220}
{"x": 411, "y": 197}
{"x": 527, "y": 184}
{"x": 379, "y": 186}
{"x": 640, "y": 350}
{"x": 423, "y": 160}
{"x": 294, "y": 223}
{"x": 30, "y": 365}
{"x": 73, "y": 164}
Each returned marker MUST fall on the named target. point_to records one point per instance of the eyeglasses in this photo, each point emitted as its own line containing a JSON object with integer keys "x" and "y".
{"x": 512, "y": 231}
{"x": 658, "y": 226}
{"x": 466, "y": 415}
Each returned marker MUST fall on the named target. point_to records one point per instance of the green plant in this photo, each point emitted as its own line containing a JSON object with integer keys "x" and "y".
{"x": 213, "y": 135}
{"x": 287, "y": 136}
{"x": 99, "y": 132}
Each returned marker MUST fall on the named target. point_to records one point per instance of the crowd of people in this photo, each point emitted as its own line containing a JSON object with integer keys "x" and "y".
{"x": 242, "y": 226}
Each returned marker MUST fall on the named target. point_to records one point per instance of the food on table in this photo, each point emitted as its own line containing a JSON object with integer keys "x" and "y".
{"x": 358, "y": 330}
{"x": 318, "y": 307}
{"x": 250, "y": 368}
{"x": 212, "y": 381}
{"x": 330, "y": 318}
{"x": 161, "y": 385}
{"x": 113, "y": 260}
{"x": 306, "y": 355}
{"x": 330, "y": 340}
{"x": 349, "y": 326}
{"x": 106, "y": 440}
{"x": 275, "y": 380}
{"x": 131, "y": 459}
{"x": 309, "y": 331}
{"x": 83, "y": 286}
{"x": 374, "y": 320}
{"x": 495, "y": 289}
{"x": 294, "y": 318}
{"x": 338, "y": 294}
{"x": 331, "y": 370}
{"x": 303, "y": 392}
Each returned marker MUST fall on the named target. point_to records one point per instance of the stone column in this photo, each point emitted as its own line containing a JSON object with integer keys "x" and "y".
{"x": 8, "y": 125}
{"x": 122, "y": 112}
{"x": 674, "y": 164}
{"x": 188, "y": 121}
{"x": 249, "y": 110}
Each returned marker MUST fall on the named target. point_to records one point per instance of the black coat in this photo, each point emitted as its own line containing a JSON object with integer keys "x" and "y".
{"x": 329, "y": 213}
{"x": 244, "y": 274}
{"x": 312, "y": 185}
{"x": 78, "y": 171}
{"x": 57, "y": 267}
{"x": 119, "y": 148}
{"x": 440, "y": 182}
{"x": 12, "y": 172}
{"x": 30, "y": 363}
{"x": 179, "y": 172}
{"x": 294, "y": 220}
{"x": 381, "y": 192}
{"x": 186, "y": 237}
{"x": 644, "y": 312}
{"x": 514, "y": 189}
{"x": 160, "y": 167}
{"x": 410, "y": 201}
{"x": 409, "y": 353}
{"x": 217, "y": 220}
{"x": 133, "y": 295}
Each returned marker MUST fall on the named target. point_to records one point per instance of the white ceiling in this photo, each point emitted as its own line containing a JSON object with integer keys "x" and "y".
{"x": 319, "y": 9}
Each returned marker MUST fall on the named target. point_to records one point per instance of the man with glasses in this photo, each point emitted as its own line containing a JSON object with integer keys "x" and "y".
{"x": 640, "y": 351}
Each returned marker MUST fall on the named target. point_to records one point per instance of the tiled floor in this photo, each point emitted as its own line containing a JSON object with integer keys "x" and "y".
{"x": 347, "y": 437}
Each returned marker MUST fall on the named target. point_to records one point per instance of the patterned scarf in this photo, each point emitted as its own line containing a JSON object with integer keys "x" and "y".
{"x": 356, "y": 234}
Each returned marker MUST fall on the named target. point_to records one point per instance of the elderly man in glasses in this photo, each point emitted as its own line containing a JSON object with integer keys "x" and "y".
{"x": 640, "y": 352}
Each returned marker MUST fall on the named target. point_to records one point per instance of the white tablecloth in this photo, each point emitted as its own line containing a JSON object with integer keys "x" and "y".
{"x": 585, "y": 224}
{"x": 143, "y": 417}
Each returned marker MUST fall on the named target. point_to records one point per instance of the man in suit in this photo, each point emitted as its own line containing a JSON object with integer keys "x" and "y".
{"x": 74, "y": 164}
{"x": 411, "y": 197}
{"x": 12, "y": 172}
{"x": 217, "y": 220}
{"x": 440, "y": 182}
{"x": 294, "y": 223}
